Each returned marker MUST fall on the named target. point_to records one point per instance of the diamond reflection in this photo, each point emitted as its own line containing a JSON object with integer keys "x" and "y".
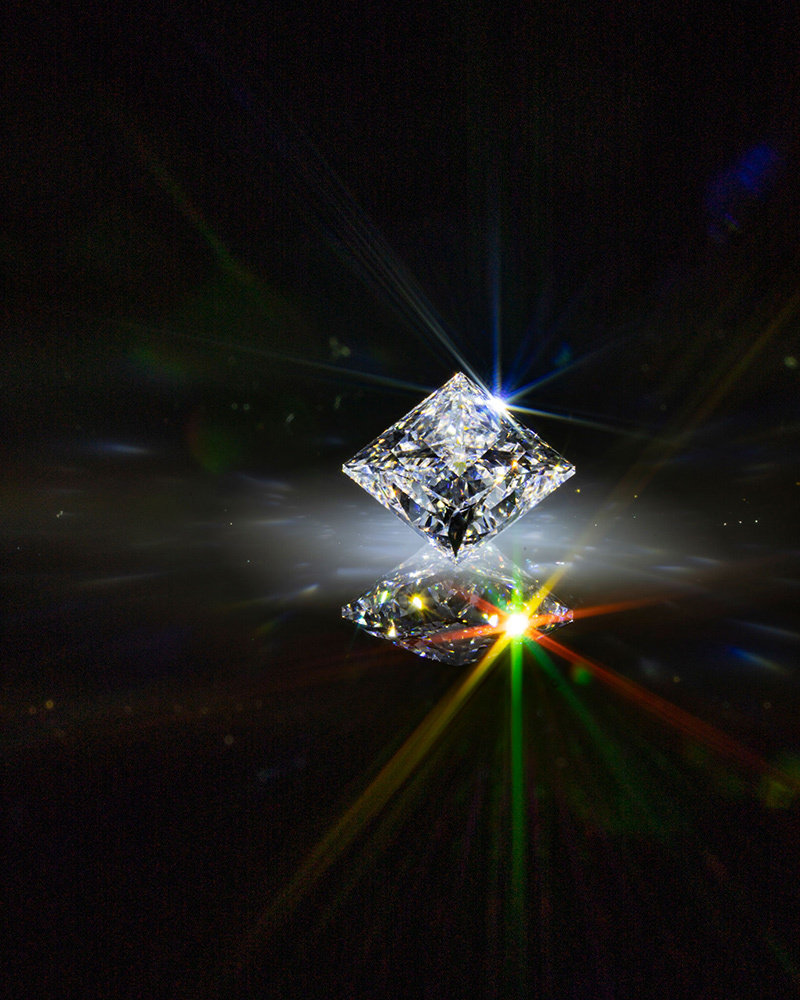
{"x": 454, "y": 613}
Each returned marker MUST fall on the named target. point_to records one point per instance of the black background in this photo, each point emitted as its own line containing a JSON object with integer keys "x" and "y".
{"x": 229, "y": 238}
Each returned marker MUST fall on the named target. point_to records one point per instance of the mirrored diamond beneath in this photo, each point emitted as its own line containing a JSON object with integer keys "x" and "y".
{"x": 455, "y": 612}
{"x": 458, "y": 468}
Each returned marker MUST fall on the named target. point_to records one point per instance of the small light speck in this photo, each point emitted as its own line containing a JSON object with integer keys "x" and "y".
{"x": 228, "y": 740}
{"x": 31, "y": 710}
{"x": 49, "y": 704}
{"x": 676, "y": 679}
{"x": 767, "y": 704}
{"x": 790, "y": 361}
{"x": 128, "y": 710}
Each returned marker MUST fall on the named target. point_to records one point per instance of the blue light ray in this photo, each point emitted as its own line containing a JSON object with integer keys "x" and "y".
{"x": 524, "y": 362}
{"x": 583, "y": 422}
{"x": 537, "y": 383}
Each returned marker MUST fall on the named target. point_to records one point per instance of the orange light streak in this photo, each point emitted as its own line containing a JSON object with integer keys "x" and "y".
{"x": 675, "y": 716}
{"x": 536, "y": 621}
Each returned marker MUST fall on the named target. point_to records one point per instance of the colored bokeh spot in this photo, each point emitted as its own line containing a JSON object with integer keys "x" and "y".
{"x": 580, "y": 673}
{"x": 777, "y": 793}
{"x": 731, "y": 194}
{"x": 216, "y": 447}
{"x": 563, "y": 357}
{"x": 159, "y": 362}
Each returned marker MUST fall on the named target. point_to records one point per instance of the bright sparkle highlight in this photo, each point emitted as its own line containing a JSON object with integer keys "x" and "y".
{"x": 517, "y": 624}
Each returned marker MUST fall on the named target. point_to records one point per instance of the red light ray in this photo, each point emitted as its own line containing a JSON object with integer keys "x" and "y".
{"x": 674, "y": 716}
{"x": 537, "y": 621}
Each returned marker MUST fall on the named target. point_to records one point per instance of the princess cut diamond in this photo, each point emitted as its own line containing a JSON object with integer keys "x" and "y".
{"x": 458, "y": 468}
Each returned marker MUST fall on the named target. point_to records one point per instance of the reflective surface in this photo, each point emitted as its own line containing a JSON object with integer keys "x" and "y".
{"x": 188, "y": 724}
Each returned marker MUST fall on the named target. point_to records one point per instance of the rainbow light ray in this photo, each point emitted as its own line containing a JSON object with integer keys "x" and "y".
{"x": 678, "y": 718}
{"x": 414, "y": 751}
{"x": 371, "y": 801}
{"x": 417, "y": 746}
{"x": 518, "y": 936}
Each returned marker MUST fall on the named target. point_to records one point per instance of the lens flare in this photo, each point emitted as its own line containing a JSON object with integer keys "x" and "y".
{"x": 517, "y": 624}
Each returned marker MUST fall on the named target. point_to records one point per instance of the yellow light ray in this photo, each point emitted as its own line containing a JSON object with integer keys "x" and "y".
{"x": 371, "y": 801}
{"x": 658, "y": 453}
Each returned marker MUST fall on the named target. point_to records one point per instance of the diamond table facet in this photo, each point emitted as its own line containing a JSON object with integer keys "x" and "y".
{"x": 457, "y": 468}
{"x": 454, "y": 613}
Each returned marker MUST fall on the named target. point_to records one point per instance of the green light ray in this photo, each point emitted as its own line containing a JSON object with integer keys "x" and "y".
{"x": 517, "y": 915}
{"x": 635, "y": 806}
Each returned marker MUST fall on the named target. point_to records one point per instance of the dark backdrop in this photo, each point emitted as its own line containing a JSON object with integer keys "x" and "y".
{"x": 239, "y": 242}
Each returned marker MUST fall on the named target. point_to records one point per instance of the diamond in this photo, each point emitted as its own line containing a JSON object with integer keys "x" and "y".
{"x": 458, "y": 468}
{"x": 450, "y": 612}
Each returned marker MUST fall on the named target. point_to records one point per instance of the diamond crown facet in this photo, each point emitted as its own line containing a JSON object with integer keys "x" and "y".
{"x": 457, "y": 468}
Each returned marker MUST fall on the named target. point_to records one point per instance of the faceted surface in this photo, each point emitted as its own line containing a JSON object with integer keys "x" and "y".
{"x": 458, "y": 468}
{"x": 450, "y": 612}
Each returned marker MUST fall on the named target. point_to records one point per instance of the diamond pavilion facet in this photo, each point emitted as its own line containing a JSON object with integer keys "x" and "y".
{"x": 457, "y": 468}
{"x": 454, "y": 613}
